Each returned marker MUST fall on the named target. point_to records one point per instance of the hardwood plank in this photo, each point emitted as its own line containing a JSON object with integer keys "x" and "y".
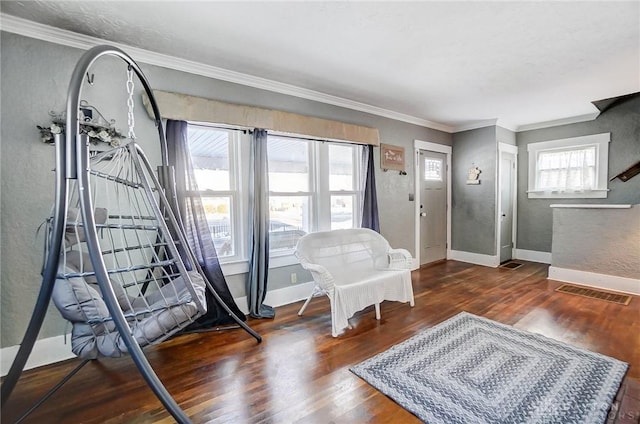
{"x": 300, "y": 374}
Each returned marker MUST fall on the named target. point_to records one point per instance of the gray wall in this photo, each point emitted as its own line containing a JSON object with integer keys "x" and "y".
{"x": 535, "y": 217}
{"x": 506, "y": 136}
{"x": 35, "y": 78}
{"x": 604, "y": 241}
{"x": 473, "y": 210}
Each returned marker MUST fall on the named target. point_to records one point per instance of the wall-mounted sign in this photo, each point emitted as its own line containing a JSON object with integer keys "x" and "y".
{"x": 392, "y": 157}
{"x": 473, "y": 177}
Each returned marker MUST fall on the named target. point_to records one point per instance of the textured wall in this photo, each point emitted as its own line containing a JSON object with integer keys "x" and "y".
{"x": 506, "y": 136}
{"x": 534, "y": 215}
{"x": 35, "y": 78}
{"x": 473, "y": 213}
{"x": 604, "y": 241}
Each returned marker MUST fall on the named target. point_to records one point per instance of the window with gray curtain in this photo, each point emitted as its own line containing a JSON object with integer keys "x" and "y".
{"x": 314, "y": 186}
{"x": 196, "y": 227}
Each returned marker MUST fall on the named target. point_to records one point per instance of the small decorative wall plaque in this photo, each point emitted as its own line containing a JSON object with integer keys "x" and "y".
{"x": 473, "y": 177}
{"x": 392, "y": 157}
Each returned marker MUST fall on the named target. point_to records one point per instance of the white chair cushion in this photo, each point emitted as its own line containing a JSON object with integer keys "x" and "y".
{"x": 352, "y": 266}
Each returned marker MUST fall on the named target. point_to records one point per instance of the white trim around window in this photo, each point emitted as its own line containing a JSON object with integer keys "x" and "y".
{"x": 216, "y": 154}
{"x": 596, "y": 142}
{"x": 327, "y": 185}
{"x": 319, "y": 192}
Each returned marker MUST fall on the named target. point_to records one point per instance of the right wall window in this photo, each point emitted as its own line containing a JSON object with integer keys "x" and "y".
{"x": 569, "y": 168}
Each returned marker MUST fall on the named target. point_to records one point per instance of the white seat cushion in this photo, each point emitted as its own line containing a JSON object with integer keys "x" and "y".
{"x": 369, "y": 289}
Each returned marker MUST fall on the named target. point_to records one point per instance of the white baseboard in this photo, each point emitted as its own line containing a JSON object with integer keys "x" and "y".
{"x": 280, "y": 297}
{"x": 53, "y": 349}
{"x": 45, "y": 351}
{"x": 532, "y": 255}
{"x": 592, "y": 279}
{"x": 474, "y": 258}
{"x": 414, "y": 264}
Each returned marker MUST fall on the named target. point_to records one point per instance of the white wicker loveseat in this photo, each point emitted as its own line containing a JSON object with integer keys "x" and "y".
{"x": 355, "y": 268}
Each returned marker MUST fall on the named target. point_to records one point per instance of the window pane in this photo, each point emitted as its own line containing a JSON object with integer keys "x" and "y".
{"x": 218, "y": 212}
{"x": 567, "y": 169}
{"x": 288, "y": 164}
{"x": 210, "y": 155}
{"x": 340, "y": 167}
{"x": 341, "y": 212}
{"x": 432, "y": 169}
{"x": 289, "y": 220}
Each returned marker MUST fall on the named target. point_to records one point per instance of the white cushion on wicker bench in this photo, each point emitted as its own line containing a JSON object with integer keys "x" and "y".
{"x": 355, "y": 268}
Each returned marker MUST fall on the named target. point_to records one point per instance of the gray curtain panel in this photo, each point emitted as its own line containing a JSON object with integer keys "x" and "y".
{"x": 197, "y": 229}
{"x": 256, "y": 285}
{"x": 370, "y": 205}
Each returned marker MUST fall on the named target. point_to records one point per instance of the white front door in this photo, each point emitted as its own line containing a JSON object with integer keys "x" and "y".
{"x": 433, "y": 206}
{"x": 507, "y": 180}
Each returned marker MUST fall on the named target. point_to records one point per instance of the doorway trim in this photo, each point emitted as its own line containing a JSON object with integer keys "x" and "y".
{"x": 433, "y": 147}
{"x": 507, "y": 148}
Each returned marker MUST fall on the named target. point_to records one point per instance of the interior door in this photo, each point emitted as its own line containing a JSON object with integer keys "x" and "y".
{"x": 433, "y": 206}
{"x": 507, "y": 179}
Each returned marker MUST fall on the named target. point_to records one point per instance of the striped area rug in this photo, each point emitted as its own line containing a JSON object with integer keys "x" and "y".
{"x": 469, "y": 369}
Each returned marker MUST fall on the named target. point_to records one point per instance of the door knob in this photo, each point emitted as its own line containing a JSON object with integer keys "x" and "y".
{"x": 423, "y": 214}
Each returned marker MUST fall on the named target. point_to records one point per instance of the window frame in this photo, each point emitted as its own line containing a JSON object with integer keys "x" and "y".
{"x": 441, "y": 171}
{"x": 319, "y": 193}
{"x": 601, "y": 144}
{"x": 310, "y": 193}
{"x": 235, "y": 193}
{"x": 355, "y": 192}
{"x": 319, "y": 186}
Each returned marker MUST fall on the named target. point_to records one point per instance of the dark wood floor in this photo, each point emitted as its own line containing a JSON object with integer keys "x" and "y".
{"x": 299, "y": 373}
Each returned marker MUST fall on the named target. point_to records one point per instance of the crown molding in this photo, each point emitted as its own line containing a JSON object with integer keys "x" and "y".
{"x": 507, "y": 125}
{"x": 557, "y": 122}
{"x": 474, "y": 125}
{"x": 72, "y": 39}
{"x": 536, "y": 126}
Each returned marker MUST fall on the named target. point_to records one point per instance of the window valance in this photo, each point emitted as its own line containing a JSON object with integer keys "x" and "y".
{"x": 198, "y": 109}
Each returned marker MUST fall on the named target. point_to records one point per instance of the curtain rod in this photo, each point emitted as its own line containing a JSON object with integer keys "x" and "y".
{"x": 247, "y": 130}
{"x": 244, "y": 130}
{"x": 310, "y": 138}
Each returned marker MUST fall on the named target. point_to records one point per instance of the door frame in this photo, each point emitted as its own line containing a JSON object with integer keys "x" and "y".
{"x": 507, "y": 148}
{"x": 439, "y": 148}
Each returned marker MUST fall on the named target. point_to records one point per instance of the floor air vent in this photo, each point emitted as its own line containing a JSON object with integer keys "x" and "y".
{"x": 511, "y": 265}
{"x": 622, "y": 299}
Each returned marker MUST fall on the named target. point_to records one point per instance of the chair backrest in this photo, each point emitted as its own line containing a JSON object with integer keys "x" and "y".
{"x": 340, "y": 251}
{"x": 155, "y": 292}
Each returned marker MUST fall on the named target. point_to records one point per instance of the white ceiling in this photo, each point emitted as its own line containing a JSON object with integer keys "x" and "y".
{"x": 453, "y": 63}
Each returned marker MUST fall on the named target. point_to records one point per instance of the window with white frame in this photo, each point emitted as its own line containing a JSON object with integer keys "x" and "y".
{"x": 290, "y": 191}
{"x": 214, "y": 153}
{"x": 433, "y": 169}
{"x": 313, "y": 186}
{"x": 343, "y": 185}
{"x": 569, "y": 168}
